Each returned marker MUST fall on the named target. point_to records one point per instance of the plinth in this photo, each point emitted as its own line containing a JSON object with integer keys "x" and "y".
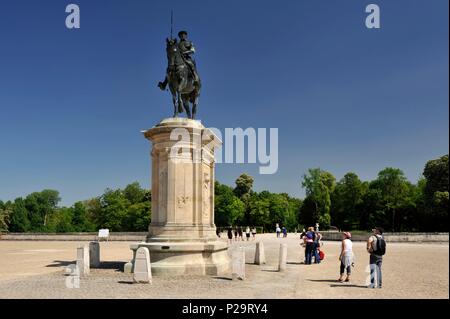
{"x": 182, "y": 234}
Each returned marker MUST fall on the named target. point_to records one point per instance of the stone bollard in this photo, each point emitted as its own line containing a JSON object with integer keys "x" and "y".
{"x": 238, "y": 263}
{"x": 260, "y": 256}
{"x": 72, "y": 270}
{"x": 128, "y": 268}
{"x": 282, "y": 257}
{"x": 83, "y": 260}
{"x": 73, "y": 276}
{"x": 142, "y": 270}
{"x": 94, "y": 254}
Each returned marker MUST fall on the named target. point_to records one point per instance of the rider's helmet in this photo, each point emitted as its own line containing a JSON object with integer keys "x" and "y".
{"x": 181, "y": 33}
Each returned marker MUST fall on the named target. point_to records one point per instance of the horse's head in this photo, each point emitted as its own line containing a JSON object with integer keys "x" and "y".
{"x": 173, "y": 54}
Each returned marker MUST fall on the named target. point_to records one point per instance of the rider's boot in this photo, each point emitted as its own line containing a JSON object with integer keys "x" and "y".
{"x": 163, "y": 85}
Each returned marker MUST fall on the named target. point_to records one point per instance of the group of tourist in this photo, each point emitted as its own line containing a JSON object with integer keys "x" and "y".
{"x": 238, "y": 233}
{"x": 282, "y": 230}
{"x": 311, "y": 240}
{"x": 376, "y": 247}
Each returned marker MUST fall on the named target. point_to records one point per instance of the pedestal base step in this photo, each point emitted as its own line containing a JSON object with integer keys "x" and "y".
{"x": 189, "y": 258}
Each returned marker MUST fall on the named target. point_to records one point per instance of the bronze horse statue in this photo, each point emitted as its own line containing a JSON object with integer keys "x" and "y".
{"x": 185, "y": 90}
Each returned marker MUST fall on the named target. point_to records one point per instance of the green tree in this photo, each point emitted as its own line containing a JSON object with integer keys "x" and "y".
{"x": 19, "y": 222}
{"x": 346, "y": 201}
{"x": 60, "y": 221}
{"x": 309, "y": 214}
{"x": 40, "y": 205}
{"x": 393, "y": 187}
{"x": 80, "y": 218}
{"x": 292, "y": 219}
{"x": 278, "y": 209}
{"x": 243, "y": 190}
{"x": 244, "y": 185}
{"x": 114, "y": 210}
{"x": 94, "y": 211}
{"x": 134, "y": 193}
{"x": 259, "y": 211}
{"x": 138, "y": 217}
{"x": 319, "y": 185}
{"x": 436, "y": 194}
{"x": 228, "y": 208}
{"x": 5, "y": 214}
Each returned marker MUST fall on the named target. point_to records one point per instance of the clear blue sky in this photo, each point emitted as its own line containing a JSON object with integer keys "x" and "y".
{"x": 345, "y": 98}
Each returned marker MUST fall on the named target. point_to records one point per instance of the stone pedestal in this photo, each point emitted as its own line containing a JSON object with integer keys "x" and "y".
{"x": 260, "y": 256}
{"x": 94, "y": 254}
{"x": 238, "y": 264}
{"x": 83, "y": 259}
{"x": 182, "y": 234}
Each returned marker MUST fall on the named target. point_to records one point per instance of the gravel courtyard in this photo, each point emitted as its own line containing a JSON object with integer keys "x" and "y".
{"x": 32, "y": 269}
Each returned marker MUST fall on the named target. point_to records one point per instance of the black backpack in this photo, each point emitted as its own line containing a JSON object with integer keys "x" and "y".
{"x": 381, "y": 246}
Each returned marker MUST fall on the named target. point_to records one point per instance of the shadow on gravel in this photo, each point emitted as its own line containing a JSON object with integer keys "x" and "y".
{"x": 295, "y": 263}
{"x": 126, "y": 282}
{"x": 115, "y": 265}
{"x": 323, "y": 280}
{"x": 337, "y": 284}
{"x": 270, "y": 270}
{"x": 347, "y": 285}
{"x": 223, "y": 278}
{"x": 61, "y": 263}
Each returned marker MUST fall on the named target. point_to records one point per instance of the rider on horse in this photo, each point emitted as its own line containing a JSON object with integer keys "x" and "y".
{"x": 186, "y": 48}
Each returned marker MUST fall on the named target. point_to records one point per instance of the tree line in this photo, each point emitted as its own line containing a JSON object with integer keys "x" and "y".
{"x": 389, "y": 201}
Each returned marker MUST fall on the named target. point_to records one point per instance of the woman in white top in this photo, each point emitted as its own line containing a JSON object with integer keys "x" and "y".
{"x": 346, "y": 256}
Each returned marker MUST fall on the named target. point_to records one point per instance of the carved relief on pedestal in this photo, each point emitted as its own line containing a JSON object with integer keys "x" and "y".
{"x": 206, "y": 195}
{"x": 163, "y": 190}
{"x": 182, "y": 201}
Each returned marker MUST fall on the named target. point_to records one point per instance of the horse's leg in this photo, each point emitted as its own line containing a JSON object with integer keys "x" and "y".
{"x": 186, "y": 106}
{"x": 174, "y": 101}
{"x": 194, "y": 104}
{"x": 180, "y": 102}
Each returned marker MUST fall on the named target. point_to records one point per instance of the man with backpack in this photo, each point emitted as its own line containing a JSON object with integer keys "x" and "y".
{"x": 376, "y": 247}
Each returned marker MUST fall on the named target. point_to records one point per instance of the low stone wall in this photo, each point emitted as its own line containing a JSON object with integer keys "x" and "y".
{"x": 392, "y": 237}
{"x": 140, "y": 236}
{"x": 73, "y": 236}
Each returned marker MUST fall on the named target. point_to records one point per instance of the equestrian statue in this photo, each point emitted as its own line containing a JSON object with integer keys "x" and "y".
{"x": 181, "y": 75}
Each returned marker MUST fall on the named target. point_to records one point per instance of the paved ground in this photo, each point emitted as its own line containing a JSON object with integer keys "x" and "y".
{"x": 36, "y": 270}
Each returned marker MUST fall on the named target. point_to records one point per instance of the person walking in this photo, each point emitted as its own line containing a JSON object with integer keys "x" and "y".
{"x": 235, "y": 233}
{"x": 230, "y": 234}
{"x": 284, "y": 230}
{"x": 240, "y": 233}
{"x": 278, "y": 230}
{"x": 309, "y": 245}
{"x": 254, "y": 233}
{"x": 346, "y": 257}
{"x": 376, "y": 247}
{"x": 247, "y": 233}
